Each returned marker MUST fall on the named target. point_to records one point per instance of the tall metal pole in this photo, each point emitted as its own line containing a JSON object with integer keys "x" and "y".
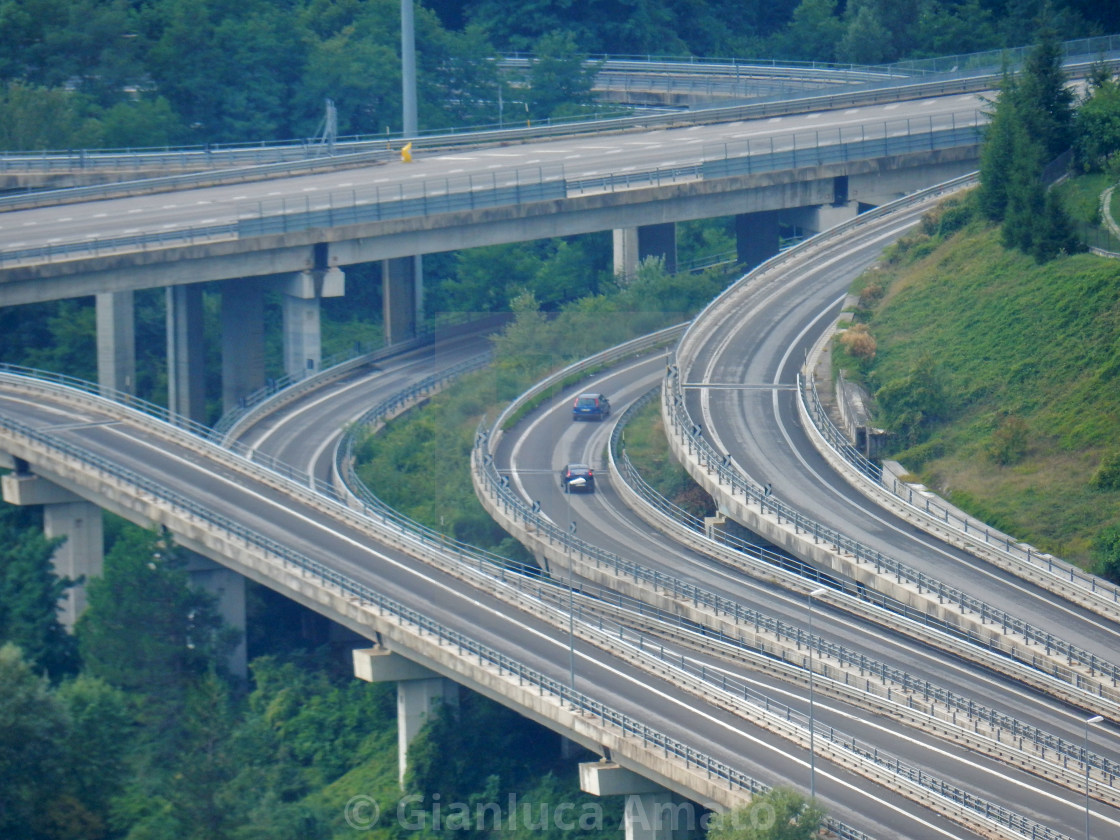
{"x": 812, "y": 716}
{"x": 1085, "y": 758}
{"x": 408, "y": 70}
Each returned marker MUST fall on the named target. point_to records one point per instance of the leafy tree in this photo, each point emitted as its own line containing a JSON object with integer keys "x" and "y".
{"x": 146, "y": 630}
{"x": 32, "y": 746}
{"x": 101, "y": 732}
{"x": 1106, "y": 554}
{"x": 997, "y": 155}
{"x": 1032, "y": 123}
{"x": 559, "y": 79}
{"x": 29, "y": 594}
{"x": 813, "y": 32}
{"x": 911, "y": 404}
{"x": 466, "y": 86}
{"x": 1097, "y": 126}
{"x": 778, "y": 814}
{"x": 36, "y": 118}
{"x": 1046, "y": 103}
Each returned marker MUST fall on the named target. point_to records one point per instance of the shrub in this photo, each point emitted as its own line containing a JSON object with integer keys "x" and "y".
{"x": 1009, "y": 442}
{"x": 1107, "y": 476}
{"x": 859, "y": 342}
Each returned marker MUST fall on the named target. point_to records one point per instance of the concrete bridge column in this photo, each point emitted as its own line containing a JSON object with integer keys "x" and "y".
{"x": 756, "y": 237}
{"x": 402, "y": 297}
{"x": 229, "y": 588}
{"x": 632, "y": 245}
{"x": 813, "y": 220}
{"x": 82, "y": 554}
{"x": 186, "y": 374}
{"x": 303, "y": 349}
{"x": 242, "y": 339}
{"x": 420, "y": 693}
{"x": 116, "y": 342}
{"x": 651, "y": 811}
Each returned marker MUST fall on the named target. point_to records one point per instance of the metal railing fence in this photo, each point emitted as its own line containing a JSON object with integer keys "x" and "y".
{"x": 540, "y": 183}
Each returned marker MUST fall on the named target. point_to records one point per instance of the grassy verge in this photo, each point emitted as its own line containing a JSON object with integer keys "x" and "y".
{"x": 644, "y": 442}
{"x": 1026, "y": 361}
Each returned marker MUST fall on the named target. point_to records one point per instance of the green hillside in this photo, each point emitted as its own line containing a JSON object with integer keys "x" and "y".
{"x": 1022, "y": 364}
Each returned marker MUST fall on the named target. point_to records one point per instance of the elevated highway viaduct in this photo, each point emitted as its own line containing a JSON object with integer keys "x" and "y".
{"x": 295, "y": 235}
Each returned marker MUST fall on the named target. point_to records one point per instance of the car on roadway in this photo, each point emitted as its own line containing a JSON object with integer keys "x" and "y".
{"x": 591, "y": 406}
{"x": 577, "y": 477}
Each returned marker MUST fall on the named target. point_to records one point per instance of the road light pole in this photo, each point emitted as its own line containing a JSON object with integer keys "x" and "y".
{"x": 816, "y": 593}
{"x": 1095, "y": 719}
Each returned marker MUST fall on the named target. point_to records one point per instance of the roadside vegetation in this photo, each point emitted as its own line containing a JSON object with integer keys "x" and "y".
{"x": 997, "y": 372}
{"x": 990, "y": 343}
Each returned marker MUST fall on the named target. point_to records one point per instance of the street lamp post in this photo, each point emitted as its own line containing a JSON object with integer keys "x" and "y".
{"x": 1095, "y": 719}
{"x": 816, "y": 593}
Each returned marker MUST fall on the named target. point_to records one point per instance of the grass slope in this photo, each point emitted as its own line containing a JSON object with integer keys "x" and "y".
{"x": 1010, "y": 339}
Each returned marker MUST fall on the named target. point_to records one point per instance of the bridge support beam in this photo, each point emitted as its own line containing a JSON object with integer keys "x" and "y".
{"x": 756, "y": 237}
{"x": 228, "y": 587}
{"x": 402, "y": 297}
{"x": 302, "y": 294}
{"x": 116, "y": 342}
{"x": 632, "y": 245}
{"x": 186, "y": 375}
{"x": 420, "y": 693}
{"x": 242, "y": 339}
{"x": 822, "y": 217}
{"x": 82, "y": 554}
{"x": 651, "y": 812}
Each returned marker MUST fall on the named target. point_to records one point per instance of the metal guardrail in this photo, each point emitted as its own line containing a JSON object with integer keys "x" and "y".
{"x": 689, "y": 433}
{"x": 843, "y": 743}
{"x": 516, "y": 510}
{"x": 526, "y": 578}
{"x": 1076, "y": 53}
{"x": 854, "y": 660}
{"x": 947, "y": 516}
{"x": 367, "y": 597}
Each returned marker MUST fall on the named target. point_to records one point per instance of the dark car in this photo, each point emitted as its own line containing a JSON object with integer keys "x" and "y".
{"x": 577, "y": 477}
{"x": 591, "y": 407}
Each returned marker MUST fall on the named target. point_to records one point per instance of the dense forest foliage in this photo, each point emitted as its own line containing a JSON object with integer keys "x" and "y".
{"x": 129, "y": 728}
{"x": 91, "y": 73}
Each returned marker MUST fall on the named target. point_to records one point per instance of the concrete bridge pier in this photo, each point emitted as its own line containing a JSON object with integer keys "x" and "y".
{"x": 756, "y": 237}
{"x": 813, "y": 220}
{"x": 402, "y": 297}
{"x": 242, "y": 339}
{"x": 302, "y": 295}
{"x": 116, "y": 342}
{"x": 651, "y": 811}
{"x": 632, "y": 245}
{"x": 186, "y": 375}
{"x": 228, "y": 587}
{"x": 82, "y": 553}
{"x": 420, "y": 693}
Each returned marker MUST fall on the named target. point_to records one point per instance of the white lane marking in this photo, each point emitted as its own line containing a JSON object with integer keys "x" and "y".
{"x": 894, "y": 732}
{"x": 551, "y": 639}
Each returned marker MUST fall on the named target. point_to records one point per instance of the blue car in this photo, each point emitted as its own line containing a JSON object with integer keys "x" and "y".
{"x": 591, "y": 406}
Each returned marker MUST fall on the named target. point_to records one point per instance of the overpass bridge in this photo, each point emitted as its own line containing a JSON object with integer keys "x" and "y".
{"x": 148, "y": 509}
{"x": 297, "y": 234}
